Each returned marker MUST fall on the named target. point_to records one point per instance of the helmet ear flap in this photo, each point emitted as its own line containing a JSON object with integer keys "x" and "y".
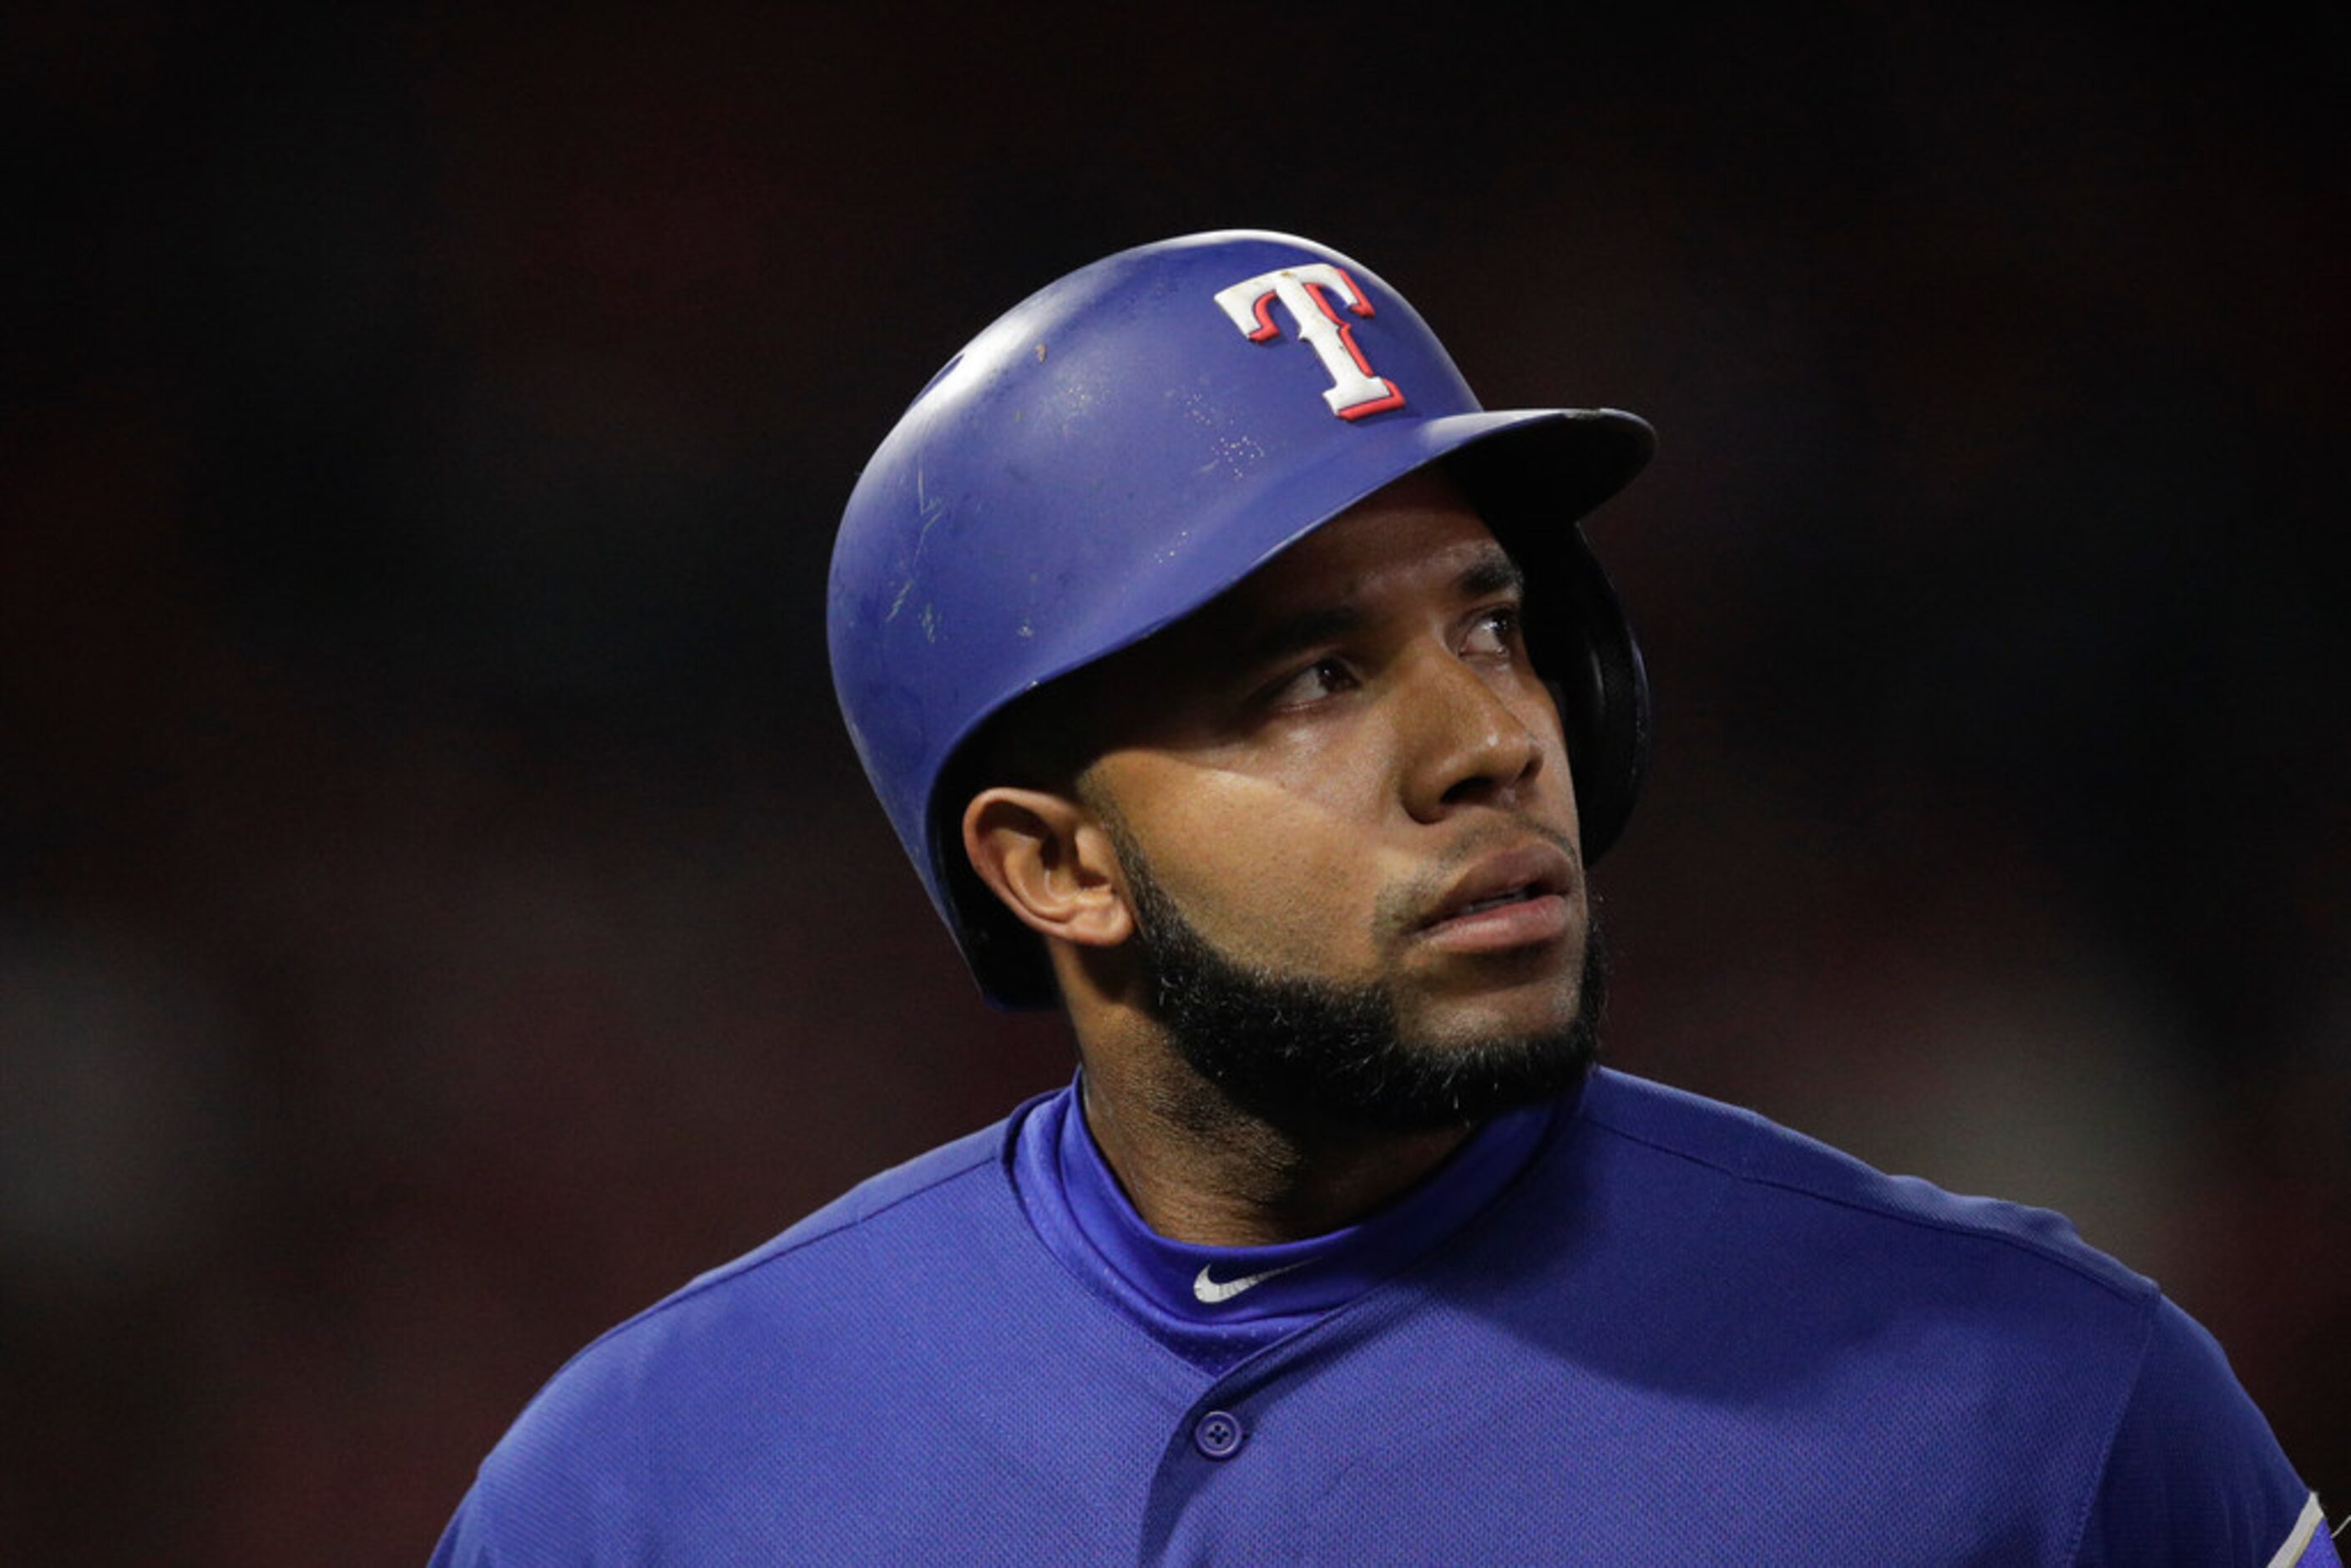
{"x": 1530, "y": 486}
{"x": 1602, "y": 692}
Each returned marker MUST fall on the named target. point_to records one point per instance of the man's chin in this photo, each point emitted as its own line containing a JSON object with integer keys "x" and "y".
{"x": 1462, "y": 1085}
{"x": 1487, "y": 1017}
{"x": 1295, "y": 1050}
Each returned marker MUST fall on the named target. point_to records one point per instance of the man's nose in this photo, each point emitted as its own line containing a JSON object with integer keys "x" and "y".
{"x": 1468, "y": 743}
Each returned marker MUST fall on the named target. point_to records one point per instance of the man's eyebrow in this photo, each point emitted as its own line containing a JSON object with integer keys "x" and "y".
{"x": 1492, "y": 572}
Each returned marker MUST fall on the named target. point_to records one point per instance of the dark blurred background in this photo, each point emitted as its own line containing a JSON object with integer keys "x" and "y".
{"x": 440, "y": 911}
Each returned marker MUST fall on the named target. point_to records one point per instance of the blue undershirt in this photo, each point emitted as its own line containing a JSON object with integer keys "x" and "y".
{"x": 1184, "y": 1295}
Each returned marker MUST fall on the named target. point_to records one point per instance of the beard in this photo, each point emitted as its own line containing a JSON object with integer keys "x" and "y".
{"x": 1294, "y": 1050}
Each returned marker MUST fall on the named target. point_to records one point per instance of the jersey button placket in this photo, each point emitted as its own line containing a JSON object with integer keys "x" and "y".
{"x": 1218, "y": 1433}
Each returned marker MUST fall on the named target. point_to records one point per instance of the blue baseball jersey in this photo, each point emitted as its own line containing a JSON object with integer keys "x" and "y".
{"x": 1638, "y": 1326}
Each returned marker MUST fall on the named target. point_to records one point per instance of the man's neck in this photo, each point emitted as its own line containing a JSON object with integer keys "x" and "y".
{"x": 1199, "y": 1169}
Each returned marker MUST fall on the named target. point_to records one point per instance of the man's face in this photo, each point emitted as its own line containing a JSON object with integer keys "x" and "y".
{"x": 1348, "y": 831}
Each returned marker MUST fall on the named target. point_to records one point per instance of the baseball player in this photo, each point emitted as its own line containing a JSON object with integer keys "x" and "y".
{"x": 1241, "y": 687}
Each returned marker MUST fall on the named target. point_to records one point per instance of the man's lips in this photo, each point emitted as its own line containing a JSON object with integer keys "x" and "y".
{"x": 1511, "y": 900}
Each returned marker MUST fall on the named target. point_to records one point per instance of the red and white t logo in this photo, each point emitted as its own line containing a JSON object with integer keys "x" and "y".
{"x": 1355, "y": 391}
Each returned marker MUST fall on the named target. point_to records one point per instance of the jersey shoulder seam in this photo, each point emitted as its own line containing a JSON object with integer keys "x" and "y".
{"x": 983, "y": 1152}
{"x": 2114, "y": 1420}
{"x": 2142, "y": 1293}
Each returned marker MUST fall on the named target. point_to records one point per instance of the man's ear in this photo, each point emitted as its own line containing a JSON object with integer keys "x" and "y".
{"x": 1047, "y": 858}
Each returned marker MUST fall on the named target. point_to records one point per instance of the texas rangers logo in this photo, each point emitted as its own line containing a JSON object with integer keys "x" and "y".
{"x": 1355, "y": 390}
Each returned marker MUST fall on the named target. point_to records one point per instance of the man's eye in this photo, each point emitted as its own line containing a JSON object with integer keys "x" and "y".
{"x": 1493, "y": 632}
{"x": 1322, "y": 678}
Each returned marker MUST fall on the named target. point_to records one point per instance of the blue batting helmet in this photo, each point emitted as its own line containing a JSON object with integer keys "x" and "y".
{"x": 1130, "y": 442}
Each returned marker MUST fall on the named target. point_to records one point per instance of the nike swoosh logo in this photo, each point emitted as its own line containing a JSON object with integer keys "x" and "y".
{"x": 1211, "y": 1293}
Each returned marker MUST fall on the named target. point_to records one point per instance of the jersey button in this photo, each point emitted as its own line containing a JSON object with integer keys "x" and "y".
{"x": 1218, "y": 1434}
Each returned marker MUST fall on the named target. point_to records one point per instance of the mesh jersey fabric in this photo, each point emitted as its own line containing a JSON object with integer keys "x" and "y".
{"x": 1680, "y": 1335}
